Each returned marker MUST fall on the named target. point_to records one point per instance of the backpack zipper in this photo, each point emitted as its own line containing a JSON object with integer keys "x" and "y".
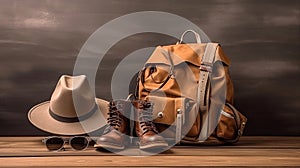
{"x": 227, "y": 114}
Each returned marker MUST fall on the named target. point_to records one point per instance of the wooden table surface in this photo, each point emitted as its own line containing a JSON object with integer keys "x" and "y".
{"x": 250, "y": 151}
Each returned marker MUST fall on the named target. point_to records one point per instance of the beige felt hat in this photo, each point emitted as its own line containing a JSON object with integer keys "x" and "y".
{"x": 72, "y": 109}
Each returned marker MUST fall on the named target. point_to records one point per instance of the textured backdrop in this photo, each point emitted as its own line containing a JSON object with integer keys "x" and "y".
{"x": 40, "y": 39}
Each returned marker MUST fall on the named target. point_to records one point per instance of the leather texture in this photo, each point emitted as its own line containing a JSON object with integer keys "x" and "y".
{"x": 173, "y": 72}
{"x": 145, "y": 129}
{"x": 116, "y": 133}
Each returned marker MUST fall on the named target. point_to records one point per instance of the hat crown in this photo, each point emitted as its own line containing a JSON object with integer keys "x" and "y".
{"x": 72, "y": 97}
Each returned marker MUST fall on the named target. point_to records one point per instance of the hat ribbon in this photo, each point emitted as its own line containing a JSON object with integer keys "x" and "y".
{"x": 73, "y": 119}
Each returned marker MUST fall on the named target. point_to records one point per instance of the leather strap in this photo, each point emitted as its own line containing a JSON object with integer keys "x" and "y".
{"x": 171, "y": 73}
{"x": 204, "y": 87}
{"x": 142, "y": 78}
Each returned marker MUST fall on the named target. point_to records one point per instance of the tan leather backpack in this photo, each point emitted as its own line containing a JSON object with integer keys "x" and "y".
{"x": 192, "y": 93}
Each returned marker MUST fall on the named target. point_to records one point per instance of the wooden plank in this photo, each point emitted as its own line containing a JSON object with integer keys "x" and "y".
{"x": 173, "y": 151}
{"x": 174, "y": 161}
{"x": 246, "y": 141}
{"x": 250, "y": 151}
{"x": 259, "y": 146}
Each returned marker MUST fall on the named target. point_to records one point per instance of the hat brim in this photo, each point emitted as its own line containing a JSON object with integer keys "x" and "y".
{"x": 40, "y": 117}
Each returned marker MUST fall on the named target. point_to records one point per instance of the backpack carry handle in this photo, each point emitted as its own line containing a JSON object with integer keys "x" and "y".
{"x": 197, "y": 36}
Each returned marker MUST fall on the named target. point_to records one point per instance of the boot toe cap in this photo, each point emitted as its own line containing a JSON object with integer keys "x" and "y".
{"x": 110, "y": 142}
{"x": 154, "y": 141}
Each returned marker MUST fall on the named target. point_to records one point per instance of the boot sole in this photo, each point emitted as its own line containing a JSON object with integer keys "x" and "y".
{"x": 154, "y": 146}
{"x": 109, "y": 146}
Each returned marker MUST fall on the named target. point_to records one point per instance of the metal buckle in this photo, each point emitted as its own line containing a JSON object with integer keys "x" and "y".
{"x": 206, "y": 67}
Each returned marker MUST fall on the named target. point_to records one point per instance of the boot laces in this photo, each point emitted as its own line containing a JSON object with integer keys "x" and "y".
{"x": 146, "y": 117}
{"x": 114, "y": 116}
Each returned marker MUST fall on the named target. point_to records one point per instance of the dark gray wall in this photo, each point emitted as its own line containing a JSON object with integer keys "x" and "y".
{"x": 40, "y": 39}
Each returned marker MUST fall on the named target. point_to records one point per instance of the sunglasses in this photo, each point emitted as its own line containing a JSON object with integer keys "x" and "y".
{"x": 56, "y": 143}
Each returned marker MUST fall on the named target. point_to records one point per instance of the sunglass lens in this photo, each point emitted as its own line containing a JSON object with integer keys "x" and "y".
{"x": 54, "y": 143}
{"x": 79, "y": 143}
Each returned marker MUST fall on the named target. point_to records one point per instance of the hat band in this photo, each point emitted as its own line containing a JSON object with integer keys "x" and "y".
{"x": 73, "y": 119}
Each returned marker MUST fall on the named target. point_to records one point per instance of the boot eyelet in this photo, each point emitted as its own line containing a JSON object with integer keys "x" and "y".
{"x": 160, "y": 114}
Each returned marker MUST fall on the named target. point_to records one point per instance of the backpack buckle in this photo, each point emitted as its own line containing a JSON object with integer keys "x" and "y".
{"x": 206, "y": 67}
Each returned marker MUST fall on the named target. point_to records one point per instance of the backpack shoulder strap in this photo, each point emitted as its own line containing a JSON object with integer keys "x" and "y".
{"x": 204, "y": 86}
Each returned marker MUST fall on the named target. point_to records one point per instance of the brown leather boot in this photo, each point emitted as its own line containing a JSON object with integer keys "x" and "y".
{"x": 144, "y": 127}
{"x": 115, "y": 135}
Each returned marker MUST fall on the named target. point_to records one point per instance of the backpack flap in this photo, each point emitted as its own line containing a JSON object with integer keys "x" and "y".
{"x": 168, "y": 71}
{"x": 165, "y": 109}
